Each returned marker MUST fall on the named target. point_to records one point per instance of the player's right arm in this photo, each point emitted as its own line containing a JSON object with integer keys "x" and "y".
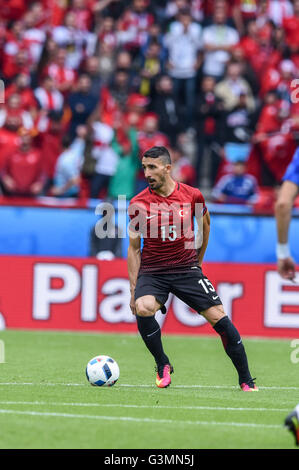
{"x": 134, "y": 258}
{"x": 204, "y": 237}
{"x": 283, "y": 212}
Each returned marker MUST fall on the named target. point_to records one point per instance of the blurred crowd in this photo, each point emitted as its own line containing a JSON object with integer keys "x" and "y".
{"x": 89, "y": 85}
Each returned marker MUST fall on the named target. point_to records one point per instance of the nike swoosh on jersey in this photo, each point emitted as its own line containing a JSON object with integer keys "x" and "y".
{"x": 151, "y": 216}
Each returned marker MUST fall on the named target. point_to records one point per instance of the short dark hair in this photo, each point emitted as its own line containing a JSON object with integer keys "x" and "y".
{"x": 66, "y": 141}
{"x": 158, "y": 152}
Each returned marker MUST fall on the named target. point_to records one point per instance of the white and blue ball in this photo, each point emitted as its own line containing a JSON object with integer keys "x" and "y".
{"x": 102, "y": 371}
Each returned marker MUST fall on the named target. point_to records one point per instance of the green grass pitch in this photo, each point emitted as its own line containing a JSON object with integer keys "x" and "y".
{"x": 46, "y": 401}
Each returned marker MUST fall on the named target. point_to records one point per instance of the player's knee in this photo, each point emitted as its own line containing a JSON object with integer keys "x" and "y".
{"x": 283, "y": 205}
{"x": 145, "y": 308}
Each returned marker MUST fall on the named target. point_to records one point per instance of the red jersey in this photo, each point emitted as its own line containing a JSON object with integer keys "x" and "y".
{"x": 167, "y": 227}
{"x": 9, "y": 142}
{"x": 291, "y": 26}
{"x": 28, "y": 100}
{"x": 60, "y": 75}
{"x": 25, "y": 168}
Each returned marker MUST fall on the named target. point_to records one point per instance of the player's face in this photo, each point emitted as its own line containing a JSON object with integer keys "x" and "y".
{"x": 155, "y": 172}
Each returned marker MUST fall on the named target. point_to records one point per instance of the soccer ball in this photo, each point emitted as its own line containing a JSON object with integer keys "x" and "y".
{"x": 102, "y": 371}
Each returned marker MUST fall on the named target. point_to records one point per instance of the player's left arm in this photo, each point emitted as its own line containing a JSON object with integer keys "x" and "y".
{"x": 202, "y": 237}
{"x": 283, "y": 213}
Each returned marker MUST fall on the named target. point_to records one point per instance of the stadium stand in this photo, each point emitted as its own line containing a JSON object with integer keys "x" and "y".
{"x": 215, "y": 80}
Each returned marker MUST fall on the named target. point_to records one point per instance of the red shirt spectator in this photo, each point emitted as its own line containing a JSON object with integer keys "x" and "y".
{"x": 269, "y": 121}
{"x": 134, "y": 24}
{"x": 48, "y": 97}
{"x": 9, "y": 142}
{"x": 14, "y": 115}
{"x": 274, "y": 139}
{"x": 269, "y": 80}
{"x": 34, "y": 38}
{"x": 63, "y": 76}
{"x": 150, "y": 136}
{"x": 12, "y": 9}
{"x": 81, "y": 9}
{"x": 113, "y": 99}
{"x": 291, "y": 27}
{"x": 15, "y": 56}
{"x": 108, "y": 34}
{"x": 23, "y": 171}
{"x": 21, "y": 86}
{"x": 182, "y": 170}
{"x": 136, "y": 109}
{"x": 50, "y": 137}
{"x": 54, "y": 11}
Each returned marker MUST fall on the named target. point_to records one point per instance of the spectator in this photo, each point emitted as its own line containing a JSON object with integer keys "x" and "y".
{"x": 218, "y": 41}
{"x": 104, "y": 155}
{"x": 243, "y": 12}
{"x": 83, "y": 14}
{"x": 232, "y": 86}
{"x": 34, "y": 38}
{"x": 273, "y": 140}
{"x": 114, "y": 98}
{"x": 182, "y": 170}
{"x": 63, "y": 76}
{"x": 209, "y": 118}
{"x": 237, "y": 187}
{"x": 12, "y": 47}
{"x": 278, "y": 10}
{"x": 165, "y": 106}
{"x": 238, "y": 128}
{"x": 291, "y": 26}
{"x": 250, "y": 46}
{"x": 183, "y": 43}
{"x": 48, "y": 55}
{"x": 11, "y": 10}
{"x": 287, "y": 72}
{"x": 50, "y": 137}
{"x": 126, "y": 146}
{"x": 151, "y": 69}
{"x": 21, "y": 86}
{"x": 246, "y": 71}
{"x": 106, "y": 56}
{"x": 155, "y": 35}
{"x": 14, "y": 114}
{"x": 270, "y": 118}
{"x": 69, "y": 164}
{"x": 48, "y": 97}
{"x": 23, "y": 170}
{"x": 77, "y": 42}
{"x": 136, "y": 108}
{"x": 173, "y": 8}
{"x": 107, "y": 33}
{"x": 92, "y": 69}
{"x": 134, "y": 25}
{"x": 124, "y": 61}
{"x": 41, "y": 11}
{"x": 148, "y": 137}
{"x": 113, "y": 8}
{"x": 16, "y": 64}
{"x": 9, "y": 139}
{"x": 82, "y": 103}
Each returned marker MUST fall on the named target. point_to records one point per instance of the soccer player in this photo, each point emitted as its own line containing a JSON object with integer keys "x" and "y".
{"x": 285, "y": 263}
{"x": 283, "y": 212}
{"x": 292, "y": 423}
{"x": 169, "y": 262}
